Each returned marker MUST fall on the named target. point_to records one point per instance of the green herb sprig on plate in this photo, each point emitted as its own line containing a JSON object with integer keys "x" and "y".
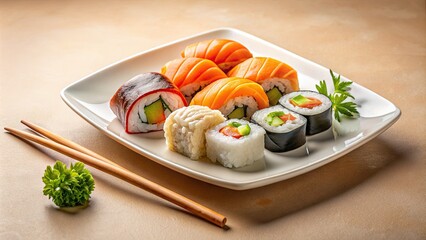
{"x": 339, "y": 98}
{"x": 68, "y": 187}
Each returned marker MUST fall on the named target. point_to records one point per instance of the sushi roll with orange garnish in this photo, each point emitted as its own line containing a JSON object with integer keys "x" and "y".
{"x": 235, "y": 97}
{"x": 224, "y": 52}
{"x": 276, "y": 78}
{"x": 192, "y": 74}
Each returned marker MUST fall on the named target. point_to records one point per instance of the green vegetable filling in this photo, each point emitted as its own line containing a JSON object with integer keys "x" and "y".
{"x": 238, "y": 113}
{"x": 300, "y": 99}
{"x": 244, "y": 129}
{"x": 274, "y": 95}
{"x": 234, "y": 124}
{"x": 274, "y": 120}
{"x": 155, "y": 112}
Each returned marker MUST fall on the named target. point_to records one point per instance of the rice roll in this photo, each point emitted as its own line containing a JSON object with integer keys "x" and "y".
{"x": 224, "y": 52}
{"x": 143, "y": 103}
{"x": 314, "y": 106}
{"x": 276, "y": 78}
{"x": 285, "y": 130}
{"x": 235, "y": 143}
{"x": 234, "y": 97}
{"x": 192, "y": 74}
{"x": 185, "y": 129}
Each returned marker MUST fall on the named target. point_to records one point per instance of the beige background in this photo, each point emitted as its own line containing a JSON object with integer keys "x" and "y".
{"x": 376, "y": 192}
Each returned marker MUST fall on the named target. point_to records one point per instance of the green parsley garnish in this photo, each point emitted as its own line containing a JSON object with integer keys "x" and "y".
{"x": 339, "y": 98}
{"x": 68, "y": 187}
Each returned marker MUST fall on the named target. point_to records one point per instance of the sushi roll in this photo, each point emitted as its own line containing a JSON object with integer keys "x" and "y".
{"x": 314, "y": 106}
{"x": 235, "y": 143}
{"x": 285, "y": 130}
{"x": 234, "y": 97}
{"x": 185, "y": 129}
{"x": 276, "y": 78}
{"x": 192, "y": 74}
{"x": 143, "y": 103}
{"x": 224, "y": 52}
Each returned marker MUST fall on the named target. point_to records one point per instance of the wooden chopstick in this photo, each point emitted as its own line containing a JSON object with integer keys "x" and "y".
{"x": 66, "y": 142}
{"x": 128, "y": 176}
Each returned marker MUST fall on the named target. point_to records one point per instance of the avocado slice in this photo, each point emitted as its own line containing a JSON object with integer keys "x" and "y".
{"x": 238, "y": 112}
{"x": 276, "y": 121}
{"x": 155, "y": 112}
{"x": 300, "y": 100}
{"x": 274, "y": 95}
{"x": 244, "y": 129}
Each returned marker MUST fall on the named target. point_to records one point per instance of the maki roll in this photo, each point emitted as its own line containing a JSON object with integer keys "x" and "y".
{"x": 276, "y": 78}
{"x": 314, "y": 106}
{"x": 224, "y": 52}
{"x": 235, "y": 143}
{"x": 192, "y": 74}
{"x": 285, "y": 130}
{"x": 143, "y": 103}
{"x": 235, "y": 97}
{"x": 185, "y": 129}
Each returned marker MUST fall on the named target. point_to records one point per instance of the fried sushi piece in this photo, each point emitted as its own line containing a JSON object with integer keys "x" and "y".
{"x": 192, "y": 74}
{"x": 143, "y": 103}
{"x": 224, "y": 52}
{"x": 235, "y": 97}
{"x": 276, "y": 78}
{"x": 185, "y": 129}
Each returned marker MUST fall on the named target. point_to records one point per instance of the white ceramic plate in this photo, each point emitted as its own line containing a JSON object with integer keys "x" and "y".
{"x": 90, "y": 96}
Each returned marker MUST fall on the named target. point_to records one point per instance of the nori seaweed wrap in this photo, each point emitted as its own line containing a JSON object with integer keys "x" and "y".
{"x": 315, "y": 107}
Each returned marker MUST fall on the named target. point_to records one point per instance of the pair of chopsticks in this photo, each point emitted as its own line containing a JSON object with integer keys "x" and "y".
{"x": 73, "y": 150}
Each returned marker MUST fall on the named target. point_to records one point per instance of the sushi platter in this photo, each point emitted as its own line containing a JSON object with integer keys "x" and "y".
{"x": 171, "y": 105}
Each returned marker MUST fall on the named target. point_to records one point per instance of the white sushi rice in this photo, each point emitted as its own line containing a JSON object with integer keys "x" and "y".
{"x": 189, "y": 90}
{"x": 242, "y": 101}
{"x": 185, "y": 129}
{"x": 326, "y": 103}
{"x": 137, "y": 118}
{"x": 283, "y": 85}
{"x": 260, "y": 118}
{"x": 232, "y": 152}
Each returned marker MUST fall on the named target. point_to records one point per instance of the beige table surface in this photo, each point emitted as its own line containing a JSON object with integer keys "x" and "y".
{"x": 376, "y": 192}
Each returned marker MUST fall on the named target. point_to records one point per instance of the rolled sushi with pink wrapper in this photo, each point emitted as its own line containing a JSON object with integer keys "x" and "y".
{"x": 143, "y": 103}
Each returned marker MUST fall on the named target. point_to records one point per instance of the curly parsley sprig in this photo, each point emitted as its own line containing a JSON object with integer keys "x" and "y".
{"x": 339, "y": 98}
{"x": 68, "y": 187}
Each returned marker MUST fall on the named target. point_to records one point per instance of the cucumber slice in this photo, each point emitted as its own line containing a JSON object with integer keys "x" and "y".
{"x": 274, "y": 95}
{"x": 234, "y": 124}
{"x": 276, "y": 121}
{"x": 155, "y": 112}
{"x": 238, "y": 113}
{"x": 244, "y": 129}
{"x": 272, "y": 115}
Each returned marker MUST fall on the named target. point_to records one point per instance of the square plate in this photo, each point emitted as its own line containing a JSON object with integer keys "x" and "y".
{"x": 89, "y": 98}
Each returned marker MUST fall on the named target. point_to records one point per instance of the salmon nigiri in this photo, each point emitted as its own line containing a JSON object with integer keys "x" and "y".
{"x": 234, "y": 97}
{"x": 276, "y": 78}
{"x": 192, "y": 74}
{"x": 225, "y": 53}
